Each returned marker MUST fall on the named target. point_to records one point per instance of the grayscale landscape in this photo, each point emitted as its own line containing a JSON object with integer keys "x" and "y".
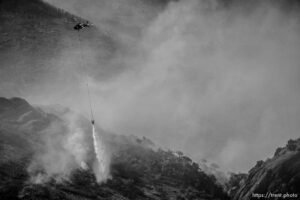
{"x": 149, "y": 99}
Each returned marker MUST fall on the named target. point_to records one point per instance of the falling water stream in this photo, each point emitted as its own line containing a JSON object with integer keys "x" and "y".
{"x": 100, "y": 155}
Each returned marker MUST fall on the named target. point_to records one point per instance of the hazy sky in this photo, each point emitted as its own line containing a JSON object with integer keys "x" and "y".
{"x": 217, "y": 82}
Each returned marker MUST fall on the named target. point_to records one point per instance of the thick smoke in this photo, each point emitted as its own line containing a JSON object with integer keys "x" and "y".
{"x": 214, "y": 81}
{"x": 68, "y": 147}
{"x": 218, "y": 85}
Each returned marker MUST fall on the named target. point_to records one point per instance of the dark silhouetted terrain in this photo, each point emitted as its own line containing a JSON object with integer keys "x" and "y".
{"x": 278, "y": 175}
{"x": 138, "y": 169}
{"x": 33, "y": 38}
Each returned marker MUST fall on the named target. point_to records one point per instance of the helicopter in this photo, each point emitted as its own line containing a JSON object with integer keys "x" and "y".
{"x": 82, "y": 25}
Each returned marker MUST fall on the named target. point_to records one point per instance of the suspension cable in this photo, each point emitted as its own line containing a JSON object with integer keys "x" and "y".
{"x": 82, "y": 65}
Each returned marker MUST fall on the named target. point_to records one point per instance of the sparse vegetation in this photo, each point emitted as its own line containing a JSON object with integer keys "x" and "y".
{"x": 139, "y": 170}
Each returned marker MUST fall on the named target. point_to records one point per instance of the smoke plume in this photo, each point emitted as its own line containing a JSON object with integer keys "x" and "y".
{"x": 68, "y": 147}
{"x": 216, "y": 80}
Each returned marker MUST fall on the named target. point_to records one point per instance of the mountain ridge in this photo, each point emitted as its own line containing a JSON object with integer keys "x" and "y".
{"x": 277, "y": 175}
{"x": 34, "y": 36}
{"x": 138, "y": 170}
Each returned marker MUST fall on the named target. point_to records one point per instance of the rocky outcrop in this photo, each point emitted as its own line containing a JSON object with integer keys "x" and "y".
{"x": 277, "y": 175}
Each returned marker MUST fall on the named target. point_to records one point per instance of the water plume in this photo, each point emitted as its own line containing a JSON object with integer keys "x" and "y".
{"x": 101, "y": 168}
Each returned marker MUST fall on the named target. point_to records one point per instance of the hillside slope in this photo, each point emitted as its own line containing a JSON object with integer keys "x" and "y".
{"x": 278, "y": 175}
{"x": 34, "y": 36}
{"x": 138, "y": 169}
